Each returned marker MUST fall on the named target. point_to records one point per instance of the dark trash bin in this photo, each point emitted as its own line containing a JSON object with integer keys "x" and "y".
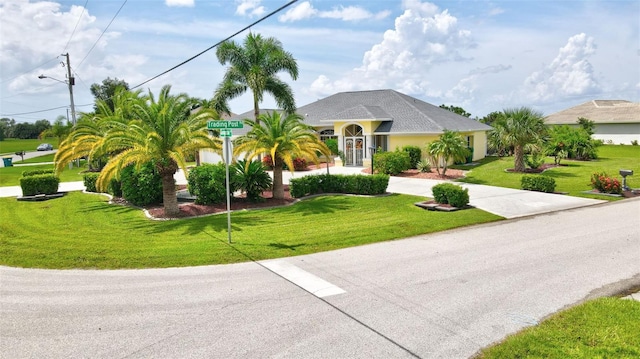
{"x": 8, "y": 161}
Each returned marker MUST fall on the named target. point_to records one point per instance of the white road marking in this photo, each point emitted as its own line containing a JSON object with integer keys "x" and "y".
{"x": 309, "y": 282}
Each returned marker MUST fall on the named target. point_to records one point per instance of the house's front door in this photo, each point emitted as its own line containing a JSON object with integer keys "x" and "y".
{"x": 353, "y": 145}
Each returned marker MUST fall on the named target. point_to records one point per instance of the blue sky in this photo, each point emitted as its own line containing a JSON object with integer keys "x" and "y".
{"x": 482, "y": 55}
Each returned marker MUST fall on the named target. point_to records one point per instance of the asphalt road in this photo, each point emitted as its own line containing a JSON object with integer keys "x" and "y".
{"x": 443, "y": 295}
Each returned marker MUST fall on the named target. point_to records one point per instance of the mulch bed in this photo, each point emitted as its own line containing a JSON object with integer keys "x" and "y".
{"x": 237, "y": 203}
{"x": 452, "y": 174}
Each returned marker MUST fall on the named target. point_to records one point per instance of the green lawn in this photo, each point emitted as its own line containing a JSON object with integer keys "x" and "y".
{"x": 10, "y": 176}
{"x": 84, "y": 231}
{"x": 13, "y": 145}
{"x": 573, "y": 177}
{"x": 603, "y": 328}
{"x": 39, "y": 159}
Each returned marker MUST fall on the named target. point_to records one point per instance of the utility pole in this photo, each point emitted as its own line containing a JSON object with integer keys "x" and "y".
{"x": 70, "y": 82}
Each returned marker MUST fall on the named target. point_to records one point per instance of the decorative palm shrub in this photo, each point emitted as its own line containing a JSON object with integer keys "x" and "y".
{"x": 251, "y": 178}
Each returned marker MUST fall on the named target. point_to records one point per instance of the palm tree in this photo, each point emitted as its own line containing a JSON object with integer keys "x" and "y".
{"x": 161, "y": 132}
{"x": 254, "y": 66}
{"x": 282, "y": 138}
{"x": 451, "y": 146}
{"x": 87, "y": 136}
{"x": 522, "y": 127}
{"x": 59, "y": 130}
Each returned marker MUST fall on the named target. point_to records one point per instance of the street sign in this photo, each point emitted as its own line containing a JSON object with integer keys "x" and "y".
{"x": 225, "y": 133}
{"x": 224, "y": 124}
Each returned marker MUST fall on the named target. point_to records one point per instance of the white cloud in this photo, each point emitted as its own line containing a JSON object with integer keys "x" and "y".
{"x": 179, "y": 3}
{"x": 305, "y": 10}
{"x": 302, "y": 11}
{"x": 423, "y": 38}
{"x": 250, "y": 8}
{"x": 569, "y": 74}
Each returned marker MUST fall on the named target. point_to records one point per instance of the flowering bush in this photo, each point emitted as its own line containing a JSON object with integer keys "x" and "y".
{"x": 605, "y": 184}
{"x": 299, "y": 164}
{"x": 267, "y": 161}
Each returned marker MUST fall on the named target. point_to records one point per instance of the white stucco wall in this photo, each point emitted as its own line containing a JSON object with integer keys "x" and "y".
{"x": 617, "y": 133}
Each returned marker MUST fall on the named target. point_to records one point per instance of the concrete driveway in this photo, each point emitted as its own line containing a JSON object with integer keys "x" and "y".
{"x": 443, "y": 295}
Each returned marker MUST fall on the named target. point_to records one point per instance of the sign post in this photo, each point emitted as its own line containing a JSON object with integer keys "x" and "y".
{"x": 225, "y": 132}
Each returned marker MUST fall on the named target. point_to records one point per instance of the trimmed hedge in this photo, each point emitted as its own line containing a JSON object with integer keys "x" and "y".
{"x": 37, "y": 172}
{"x": 208, "y": 183}
{"x": 351, "y": 184}
{"x": 39, "y": 184}
{"x": 538, "y": 183}
{"x": 391, "y": 163}
{"x": 415, "y": 155}
{"x": 89, "y": 180}
{"x": 141, "y": 187}
{"x": 448, "y": 193}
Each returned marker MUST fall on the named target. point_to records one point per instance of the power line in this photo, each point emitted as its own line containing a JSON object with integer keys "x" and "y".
{"x": 26, "y": 72}
{"x": 40, "y": 111}
{"x": 219, "y": 42}
{"x": 102, "y": 34}
{"x": 84, "y": 8}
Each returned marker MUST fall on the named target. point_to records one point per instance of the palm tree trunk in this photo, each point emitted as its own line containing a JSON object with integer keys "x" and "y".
{"x": 169, "y": 198}
{"x": 278, "y": 186}
{"x": 518, "y": 155}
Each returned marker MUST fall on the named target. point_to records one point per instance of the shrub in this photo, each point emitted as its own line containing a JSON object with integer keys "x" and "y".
{"x": 634, "y": 142}
{"x": 391, "y": 163}
{"x": 448, "y": 193}
{"x": 115, "y": 187}
{"x": 424, "y": 166}
{"x": 208, "y": 183}
{"x": 605, "y": 184}
{"x": 332, "y": 144}
{"x": 575, "y": 142}
{"x": 352, "y": 184}
{"x": 299, "y": 164}
{"x": 39, "y": 184}
{"x": 89, "y": 180}
{"x": 142, "y": 186}
{"x": 37, "y": 172}
{"x": 538, "y": 183}
{"x": 251, "y": 178}
{"x": 415, "y": 154}
{"x": 534, "y": 160}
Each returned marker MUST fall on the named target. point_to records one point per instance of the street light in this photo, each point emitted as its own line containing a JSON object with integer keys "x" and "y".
{"x": 70, "y": 82}
{"x": 372, "y": 151}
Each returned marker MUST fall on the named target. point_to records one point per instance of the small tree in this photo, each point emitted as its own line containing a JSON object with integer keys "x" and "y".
{"x": 451, "y": 146}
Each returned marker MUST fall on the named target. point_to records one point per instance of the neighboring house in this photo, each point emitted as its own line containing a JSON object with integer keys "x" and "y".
{"x": 616, "y": 121}
{"x": 384, "y": 119}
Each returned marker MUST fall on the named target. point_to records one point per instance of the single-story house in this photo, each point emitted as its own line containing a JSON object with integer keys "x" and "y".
{"x": 616, "y": 121}
{"x": 386, "y": 119}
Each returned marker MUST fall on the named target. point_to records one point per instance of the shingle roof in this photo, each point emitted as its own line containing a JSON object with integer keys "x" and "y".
{"x": 598, "y": 111}
{"x": 400, "y": 113}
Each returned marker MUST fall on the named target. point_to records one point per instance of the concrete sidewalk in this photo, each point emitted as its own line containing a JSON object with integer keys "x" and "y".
{"x": 504, "y": 202}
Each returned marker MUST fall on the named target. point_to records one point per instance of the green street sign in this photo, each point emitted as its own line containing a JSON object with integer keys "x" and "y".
{"x": 225, "y": 133}
{"x": 224, "y": 124}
